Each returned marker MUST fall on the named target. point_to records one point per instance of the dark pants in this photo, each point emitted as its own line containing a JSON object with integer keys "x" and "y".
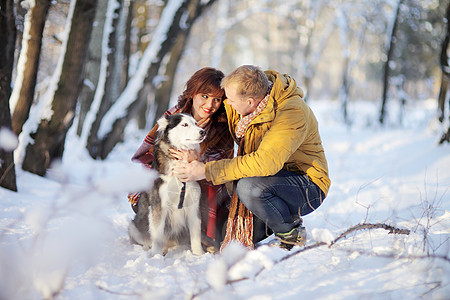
{"x": 278, "y": 199}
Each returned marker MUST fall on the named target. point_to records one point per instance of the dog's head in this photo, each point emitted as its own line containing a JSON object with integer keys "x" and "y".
{"x": 181, "y": 131}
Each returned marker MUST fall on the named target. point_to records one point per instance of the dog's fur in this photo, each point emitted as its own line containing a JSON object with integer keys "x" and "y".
{"x": 159, "y": 220}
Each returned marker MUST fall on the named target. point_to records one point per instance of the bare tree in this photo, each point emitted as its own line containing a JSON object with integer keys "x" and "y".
{"x": 309, "y": 52}
{"x": 109, "y": 82}
{"x": 119, "y": 67}
{"x": 347, "y": 33}
{"x": 176, "y": 20}
{"x": 164, "y": 89}
{"x": 344, "y": 91}
{"x": 49, "y": 137}
{"x": 92, "y": 69}
{"x": 8, "y": 38}
{"x": 20, "y": 11}
{"x": 389, "y": 53}
{"x": 445, "y": 79}
{"x": 111, "y": 85}
{"x": 25, "y": 83}
{"x": 100, "y": 100}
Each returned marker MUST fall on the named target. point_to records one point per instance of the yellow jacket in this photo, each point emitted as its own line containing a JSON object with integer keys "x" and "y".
{"x": 284, "y": 135}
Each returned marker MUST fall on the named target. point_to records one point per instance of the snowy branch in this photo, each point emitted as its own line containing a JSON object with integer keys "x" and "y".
{"x": 105, "y": 289}
{"x": 355, "y": 228}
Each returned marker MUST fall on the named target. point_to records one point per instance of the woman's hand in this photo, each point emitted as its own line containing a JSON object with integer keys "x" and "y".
{"x": 189, "y": 171}
{"x": 184, "y": 155}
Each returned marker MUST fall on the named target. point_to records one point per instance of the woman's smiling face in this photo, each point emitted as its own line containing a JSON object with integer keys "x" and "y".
{"x": 205, "y": 105}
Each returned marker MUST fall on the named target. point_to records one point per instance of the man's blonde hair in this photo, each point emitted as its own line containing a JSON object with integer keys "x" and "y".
{"x": 250, "y": 81}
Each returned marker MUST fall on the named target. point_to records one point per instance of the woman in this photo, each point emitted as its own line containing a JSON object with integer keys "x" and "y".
{"x": 203, "y": 99}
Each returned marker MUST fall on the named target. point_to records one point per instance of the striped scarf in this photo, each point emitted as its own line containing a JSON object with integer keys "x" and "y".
{"x": 243, "y": 123}
{"x": 240, "y": 219}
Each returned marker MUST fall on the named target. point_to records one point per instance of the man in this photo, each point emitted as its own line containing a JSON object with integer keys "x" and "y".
{"x": 281, "y": 169}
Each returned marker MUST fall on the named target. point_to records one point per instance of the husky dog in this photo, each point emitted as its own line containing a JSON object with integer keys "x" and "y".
{"x": 170, "y": 208}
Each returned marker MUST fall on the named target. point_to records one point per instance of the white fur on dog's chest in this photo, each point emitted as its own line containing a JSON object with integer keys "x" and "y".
{"x": 170, "y": 192}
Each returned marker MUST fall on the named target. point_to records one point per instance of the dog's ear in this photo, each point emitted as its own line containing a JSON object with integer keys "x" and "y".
{"x": 162, "y": 122}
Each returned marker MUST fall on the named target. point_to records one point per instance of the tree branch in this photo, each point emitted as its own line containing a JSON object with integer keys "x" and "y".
{"x": 117, "y": 293}
{"x": 358, "y": 227}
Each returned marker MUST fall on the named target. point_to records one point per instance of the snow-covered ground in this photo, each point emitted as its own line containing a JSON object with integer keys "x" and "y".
{"x": 65, "y": 235}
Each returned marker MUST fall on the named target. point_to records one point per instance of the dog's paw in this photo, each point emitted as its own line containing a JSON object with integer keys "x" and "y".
{"x": 156, "y": 251}
{"x": 197, "y": 251}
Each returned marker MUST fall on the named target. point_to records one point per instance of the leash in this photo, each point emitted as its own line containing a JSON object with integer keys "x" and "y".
{"x": 182, "y": 193}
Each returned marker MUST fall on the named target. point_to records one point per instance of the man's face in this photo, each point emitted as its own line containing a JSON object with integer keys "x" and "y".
{"x": 243, "y": 106}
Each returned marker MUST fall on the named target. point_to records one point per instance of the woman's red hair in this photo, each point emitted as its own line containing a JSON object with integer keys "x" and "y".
{"x": 204, "y": 81}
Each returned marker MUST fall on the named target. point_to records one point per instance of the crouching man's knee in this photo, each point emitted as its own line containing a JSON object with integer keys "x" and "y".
{"x": 248, "y": 191}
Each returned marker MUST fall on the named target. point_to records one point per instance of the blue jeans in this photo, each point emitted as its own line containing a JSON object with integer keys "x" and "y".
{"x": 278, "y": 199}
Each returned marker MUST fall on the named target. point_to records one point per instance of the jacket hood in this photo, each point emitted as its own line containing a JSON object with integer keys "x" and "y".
{"x": 284, "y": 86}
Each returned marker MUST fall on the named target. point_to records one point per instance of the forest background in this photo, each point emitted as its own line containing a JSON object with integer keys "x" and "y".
{"x": 99, "y": 64}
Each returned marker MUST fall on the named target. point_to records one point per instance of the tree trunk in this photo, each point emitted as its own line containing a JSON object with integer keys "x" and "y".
{"x": 109, "y": 92}
{"x": 443, "y": 89}
{"x": 23, "y": 92}
{"x": 305, "y": 54}
{"x": 387, "y": 70}
{"x": 163, "y": 92}
{"x": 20, "y": 12}
{"x": 127, "y": 48}
{"x": 92, "y": 71}
{"x": 117, "y": 84}
{"x": 8, "y": 38}
{"x": 111, "y": 130}
{"x": 345, "y": 90}
{"x": 220, "y": 33}
{"x": 102, "y": 99}
{"x": 49, "y": 138}
{"x": 142, "y": 16}
{"x": 445, "y": 79}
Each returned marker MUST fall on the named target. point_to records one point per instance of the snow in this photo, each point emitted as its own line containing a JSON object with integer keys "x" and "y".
{"x": 322, "y": 235}
{"x": 65, "y": 235}
{"x": 8, "y": 140}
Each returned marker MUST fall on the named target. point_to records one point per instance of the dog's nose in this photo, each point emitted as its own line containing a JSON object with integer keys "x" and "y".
{"x": 202, "y": 133}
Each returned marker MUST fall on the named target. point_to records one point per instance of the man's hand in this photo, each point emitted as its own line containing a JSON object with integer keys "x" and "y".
{"x": 192, "y": 171}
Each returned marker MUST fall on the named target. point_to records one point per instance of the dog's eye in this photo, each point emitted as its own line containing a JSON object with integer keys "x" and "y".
{"x": 184, "y": 124}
